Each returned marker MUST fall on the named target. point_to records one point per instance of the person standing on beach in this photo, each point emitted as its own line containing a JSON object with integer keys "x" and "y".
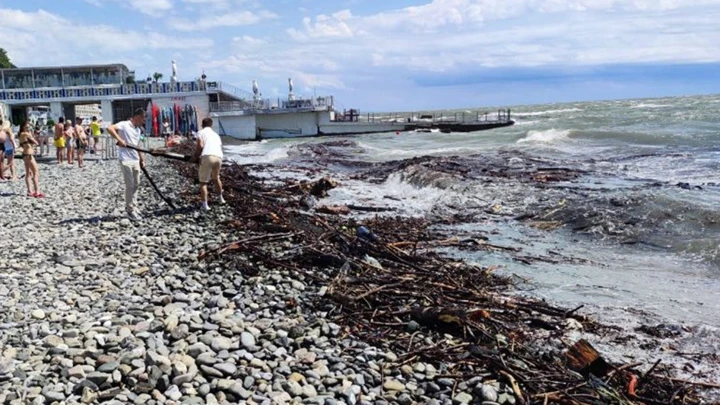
{"x": 95, "y": 132}
{"x": 9, "y": 148}
{"x": 209, "y": 150}
{"x": 131, "y": 161}
{"x": 3, "y": 136}
{"x": 81, "y": 142}
{"x": 60, "y": 139}
{"x": 32, "y": 177}
{"x": 69, "y": 142}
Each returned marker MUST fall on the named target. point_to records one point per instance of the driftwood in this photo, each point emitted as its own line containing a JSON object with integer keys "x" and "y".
{"x": 394, "y": 291}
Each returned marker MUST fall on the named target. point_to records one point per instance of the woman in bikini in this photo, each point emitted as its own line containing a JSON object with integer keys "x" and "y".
{"x": 28, "y": 143}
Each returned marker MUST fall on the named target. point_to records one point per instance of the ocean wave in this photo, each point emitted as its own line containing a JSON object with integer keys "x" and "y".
{"x": 532, "y": 122}
{"x": 547, "y": 136}
{"x": 546, "y": 112}
{"x": 650, "y": 105}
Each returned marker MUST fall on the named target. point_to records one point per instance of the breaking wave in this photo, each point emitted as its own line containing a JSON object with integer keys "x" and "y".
{"x": 547, "y": 136}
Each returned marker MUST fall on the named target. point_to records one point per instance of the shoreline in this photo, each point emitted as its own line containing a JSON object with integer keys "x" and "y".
{"x": 89, "y": 315}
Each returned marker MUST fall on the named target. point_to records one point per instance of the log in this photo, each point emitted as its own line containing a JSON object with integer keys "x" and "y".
{"x": 584, "y": 359}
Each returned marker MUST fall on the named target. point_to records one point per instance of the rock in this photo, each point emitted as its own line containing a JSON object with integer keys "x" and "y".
{"x": 108, "y": 367}
{"x": 226, "y": 368}
{"x": 486, "y": 392}
{"x": 173, "y": 392}
{"x": 292, "y": 388}
{"x": 76, "y": 372}
{"x": 53, "y": 341}
{"x": 412, "y": 326}
{"x": 506, "y": 399}
{"x": 462, "y": 398}
{"x": 54, "y": 396}
{"x": 97, "y": 377}
{"x": 309, "y": 391}
{"x": 220, "y": 343}
{"x": 38, "y": 314}
{"x": 247, "y": 340}
{"x": 393, "y": 385}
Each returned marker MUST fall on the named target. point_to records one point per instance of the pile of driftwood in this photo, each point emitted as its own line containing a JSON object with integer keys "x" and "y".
{"x": 380, "y": 281}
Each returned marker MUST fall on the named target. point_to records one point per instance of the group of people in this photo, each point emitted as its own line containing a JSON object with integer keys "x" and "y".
{"x": 27, "y": 142}
{"x": 128, "y": 134}
{"x": 72, "y": 141}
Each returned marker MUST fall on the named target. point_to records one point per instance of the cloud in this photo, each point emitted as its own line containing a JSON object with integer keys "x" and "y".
{"x": 149, "y": 7}
{"x": 444, "y": 35}
{"x": 232, "y": 19}
{"x": 325, "y": 27}
{"x": 42, "y": 30}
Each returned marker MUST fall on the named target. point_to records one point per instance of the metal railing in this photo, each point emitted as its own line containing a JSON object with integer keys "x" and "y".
{"x": 109, "y": 150}
{"x": 108, "y": 90}
{"x": 430, "y": 117}
{"x": 246, "y": 104}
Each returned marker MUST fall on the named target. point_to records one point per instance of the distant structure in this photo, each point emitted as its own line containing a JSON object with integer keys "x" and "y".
{"x": 291, "y": 96}
{"x": 87, "y": 111}
{"x": 173, "y": 79}
{"x": 256, "y": 91}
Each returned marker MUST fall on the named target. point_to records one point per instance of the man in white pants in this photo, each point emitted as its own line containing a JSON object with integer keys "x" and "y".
{"x": 209, "y": 150}
{"x": 131, "y": 161}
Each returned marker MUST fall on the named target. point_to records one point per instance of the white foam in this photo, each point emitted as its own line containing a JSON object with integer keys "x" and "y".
{"x": 651, "y": 105}
{"x": 546, "y": 112}
{"x": 547, "y": 136}
{"x": 256, "y": 152}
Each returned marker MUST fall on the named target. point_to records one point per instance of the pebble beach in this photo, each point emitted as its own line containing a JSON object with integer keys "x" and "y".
{"x": 95, "y": 308}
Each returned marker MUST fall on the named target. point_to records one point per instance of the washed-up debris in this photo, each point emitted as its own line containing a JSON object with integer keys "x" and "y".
{"x": 383, "y": 281}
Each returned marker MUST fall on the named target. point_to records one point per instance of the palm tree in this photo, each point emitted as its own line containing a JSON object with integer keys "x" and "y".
{"x": 157, "y": 76}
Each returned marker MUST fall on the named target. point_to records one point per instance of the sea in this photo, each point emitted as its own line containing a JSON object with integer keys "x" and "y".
{"x": 634, "y": 235}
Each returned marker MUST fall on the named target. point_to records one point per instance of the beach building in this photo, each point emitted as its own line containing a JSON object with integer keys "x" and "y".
{"x": 87, "y": 111}
{"x": 115, "y": 93}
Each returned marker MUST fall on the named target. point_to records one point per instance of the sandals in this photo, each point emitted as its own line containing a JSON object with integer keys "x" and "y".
{"x": 36, "y": 195}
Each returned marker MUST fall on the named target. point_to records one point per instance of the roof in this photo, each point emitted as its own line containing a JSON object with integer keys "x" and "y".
{"x": 112, "y": 65}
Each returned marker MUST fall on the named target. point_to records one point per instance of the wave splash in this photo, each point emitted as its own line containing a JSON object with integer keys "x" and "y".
{"x": 547, "y": 136}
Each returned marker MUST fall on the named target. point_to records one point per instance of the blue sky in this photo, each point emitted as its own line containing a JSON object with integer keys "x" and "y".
{"x": 389, "y": 55}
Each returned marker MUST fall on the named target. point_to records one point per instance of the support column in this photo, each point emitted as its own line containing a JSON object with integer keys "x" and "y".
{"x": 107, "y": 112}
{"x": 56, "y": 110}
{"x": 6, "y": 113}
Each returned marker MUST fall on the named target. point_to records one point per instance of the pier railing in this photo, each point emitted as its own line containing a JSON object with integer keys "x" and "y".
{"x": 250, "y": 103}
{"x": 430, "y": 117}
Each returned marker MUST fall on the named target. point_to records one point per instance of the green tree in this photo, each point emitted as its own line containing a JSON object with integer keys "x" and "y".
{"x": 5, "y": 60}
{"x": 157, "y": 76}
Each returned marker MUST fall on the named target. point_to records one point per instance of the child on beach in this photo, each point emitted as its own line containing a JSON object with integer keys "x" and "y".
{"x": 60, "y": 140}
{"x": 28, "y": 143}
{"x": 69, "y": 133}
{"x": 81, "y": 142}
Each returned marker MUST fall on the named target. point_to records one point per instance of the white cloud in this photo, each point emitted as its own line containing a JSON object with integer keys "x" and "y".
{"x": 149, "y": 7}
{"x": 42, "y": 32}
{"x": 443, "y": 35}
{"x": 232, "y": 19}
{"x": 325, "y": 27}
{"x": 248, "y": 41}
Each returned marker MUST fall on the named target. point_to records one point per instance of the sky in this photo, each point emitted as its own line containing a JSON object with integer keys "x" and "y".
{"x": 398, "y": 55}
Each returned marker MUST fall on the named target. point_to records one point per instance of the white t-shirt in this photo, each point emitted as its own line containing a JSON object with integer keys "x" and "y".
{"x": 131, "y": 136}
{"x": 212, "y": 143}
